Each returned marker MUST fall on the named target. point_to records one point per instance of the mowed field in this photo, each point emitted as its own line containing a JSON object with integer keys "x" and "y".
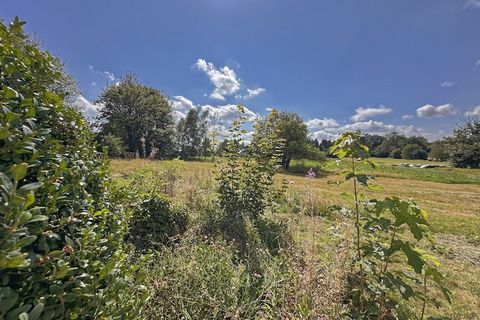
{"x": 451, "y": 196}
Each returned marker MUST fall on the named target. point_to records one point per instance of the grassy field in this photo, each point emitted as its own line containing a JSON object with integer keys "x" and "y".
{"x": 451, "y": 196}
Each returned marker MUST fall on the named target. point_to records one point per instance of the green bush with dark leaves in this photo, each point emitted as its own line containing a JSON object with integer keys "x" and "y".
{"x": 61, "y": 229}
{"x": 157, "y": 221}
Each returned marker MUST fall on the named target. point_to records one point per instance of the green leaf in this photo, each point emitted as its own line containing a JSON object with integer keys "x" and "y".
{"x": 37, "y": 218}
{"x": 36, "y": 312}
{"x": 25, "y": 241}
{"x": 29, "y": 200}
{"x": 23, "y": 316}
{"x": 9, "y": 93}
{"x": 414, "y": 258}
{"x": 24, "y": 217}
{"x": 8, "y": 298}
{"x": 19, "y": 171}
{"x": 31, "y": 186}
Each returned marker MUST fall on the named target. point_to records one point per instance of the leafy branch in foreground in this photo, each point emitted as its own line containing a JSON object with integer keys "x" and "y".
{"x": 390, "y": 263}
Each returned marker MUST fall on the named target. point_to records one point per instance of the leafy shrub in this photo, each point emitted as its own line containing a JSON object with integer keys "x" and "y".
{"x": 61, "y": 249}
{"x": 246, "y": 186}
{"x": 156, "y": 220}
{"x": 438, "y": 151}
{"x": 387, "y": 233}
{"x": 464, "y": 145}
{"x": 114, "y": 144}
{"x": 396, "y": 153}
{"x": 414, "y": 151}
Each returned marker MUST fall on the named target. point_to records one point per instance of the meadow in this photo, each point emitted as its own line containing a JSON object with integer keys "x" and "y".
{"x": 323, "y": 237}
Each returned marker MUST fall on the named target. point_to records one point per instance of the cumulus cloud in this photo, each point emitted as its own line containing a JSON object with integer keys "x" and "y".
{"x": 229, "y": 112}
{"x": 253, "y": 93}
{"x": 225, "y": 114}
{"x": 318, "y": 124}
{"x": 90, "y": 110}
{"x": 475, "y": 112}
{"x": 448, "y": 84}
{"x": 477, "y": 64}
{"x": 431, "y": 111}
{"x": 224, "y": 80}
{"x": 407, "y": 116}
{"x": 364, "y": 113}
{"x": 330, "y": 129}
{"x": 180, "y": 106}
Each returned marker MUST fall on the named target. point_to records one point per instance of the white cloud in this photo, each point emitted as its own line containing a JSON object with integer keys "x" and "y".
{"x": 318, "y": 124}
{"x": 407, "y": 116}
{"x": 90, "y": 110}
{"x": 477, "y": 64}
{"x": 474, "y": 112}
{"x": 362, "y": 113}
{"x": 431, "y": 111}
{"x": 224, "y": 80}
{"x": 228, "y": 113}
{"x": 448, "y": 84}
{"x": 224, "y": 113}
{"x": 321, "y": 129}
{"x": 253, "y": 93}
{"x": 182, "y": 104}
{"x": 472, "y": 4}
{"x": 105, "y": 74}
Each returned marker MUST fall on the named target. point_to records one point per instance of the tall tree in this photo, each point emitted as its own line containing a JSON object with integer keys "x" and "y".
{"x": 192, "y": 133}
{"x": 294, "y": 134}
{"x": 464, "y": 145}
{"x": 132, "y": 111}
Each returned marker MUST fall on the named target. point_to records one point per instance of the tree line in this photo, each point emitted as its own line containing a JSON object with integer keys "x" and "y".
{"x": 139, "y": 119}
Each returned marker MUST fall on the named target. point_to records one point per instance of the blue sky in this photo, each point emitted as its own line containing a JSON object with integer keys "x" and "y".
{"x": 410, "y": 66}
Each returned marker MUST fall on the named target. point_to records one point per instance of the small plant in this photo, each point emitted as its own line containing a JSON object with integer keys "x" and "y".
{"x": 387, "y": 233}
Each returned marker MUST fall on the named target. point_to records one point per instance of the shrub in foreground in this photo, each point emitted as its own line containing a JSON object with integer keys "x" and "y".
{"x": 61, "y": 243}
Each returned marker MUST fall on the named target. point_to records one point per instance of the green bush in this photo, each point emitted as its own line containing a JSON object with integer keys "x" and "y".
{"x": 61, "y": 243}
{"x": 156, "y": 220}
{"x": 115, "y": 145}
{"x": 396, "y": 153}
{"x": 464, "y": 145}
{"x": 414, "y": 151}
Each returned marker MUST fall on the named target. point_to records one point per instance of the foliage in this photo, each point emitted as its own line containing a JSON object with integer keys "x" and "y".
{"x": 61, "y": 248}
{"x": 204, "y": 280}
{"x": 413, "y": 151}
{"x": 133, "y": 111}
{"x": 388, "y": 233}
{"x": 156, "y": 221}
{"x": 290, "y": 129}
{"x": 396, "y": 153}
{"x": 301, "y": 166}
{"x": 115, "y": 146}
{"x": 389, "y": 145}
{"x": 246, "y": 185}
{"x": 438, "y": 151}
{"x": 192, "y": 134}
{"x": 464, "y": 145}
